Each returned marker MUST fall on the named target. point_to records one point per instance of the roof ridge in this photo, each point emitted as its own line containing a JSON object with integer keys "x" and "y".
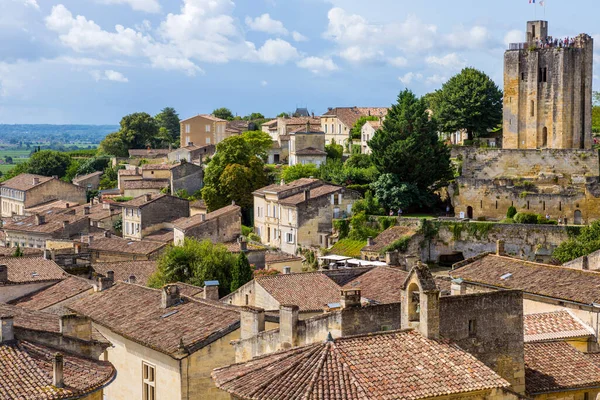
{"x": 350, "y": 372}
{"x": 327, "y": 348}
{"x": 576, "y": 318}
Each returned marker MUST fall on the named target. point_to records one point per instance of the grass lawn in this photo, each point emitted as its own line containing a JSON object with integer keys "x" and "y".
{"x": 348, "y": 248}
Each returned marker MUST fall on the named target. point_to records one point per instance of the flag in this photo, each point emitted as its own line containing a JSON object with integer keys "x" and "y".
{"x": 531, "y": 1}
{"x": 542, "y": 3}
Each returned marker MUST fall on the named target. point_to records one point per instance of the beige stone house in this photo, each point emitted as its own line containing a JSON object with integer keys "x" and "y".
{"x": 307, "y": 147}
{"x": 89, "y": 181}
{"x": 164, "y": 344}
{"x": 220, "y": 226}
{"x": 337, "y": 122}
{"x": 202, "y": 130}
{"x": 300, "y": 214}
{"x": 155, "y": 178}
{"x": 28, "y": 190}
{"x": 150, "y": 213}
{"x": 366, "y": 133}
{"x": 192, "y": 153}
{"x": 148, "y": 154}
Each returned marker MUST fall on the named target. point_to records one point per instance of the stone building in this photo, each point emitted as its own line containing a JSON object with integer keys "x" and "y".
{"x": 307, "y": 146}
{"x": 366, "y": 134}
{"x": 202, "y": 130}
{"x": 150, "y": 213}
{"x": 21, "y": 276}
{"x": 89, "y": 181}
{"x": 106, "y": 247}
{"x": 337, "y": 122}
{"x": 300, "y": 214}
{"x": 28, "y": 190}
{"x": 220, "y": 226}
{"x": 192, "y": 153}
{"x": 548, "y": 92}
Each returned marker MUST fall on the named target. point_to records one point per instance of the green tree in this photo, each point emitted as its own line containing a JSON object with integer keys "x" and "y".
{"x": 195, "y": 262}
{"x": 259, "y": 142}
{"x": 8, "y": 159}
{"x": 583, "y": 244}
{"x": 118, "y": 226}
{"x": 169, "y": 120}
{"x": 138, "y": 130}
{"x": 49, "y": 163}
{"x": 241, "y": 272}
{"x": 595, "y": 119}
{"x": 334, "y": 151}
{"x": 408, "y": 154}
{"x": 18, "y": 252}
{"x": 295, "y": 172}
{"x": 356, "y": 130}
{"x": 469, "y": 101}
{"x": 254, "y": 116}
{"x": 114, "y": 144}
{"x": 223, "y": 113}
{"x": 283, "y": 115}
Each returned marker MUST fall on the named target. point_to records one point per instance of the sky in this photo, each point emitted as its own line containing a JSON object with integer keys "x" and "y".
{"x": 94, "y": 61}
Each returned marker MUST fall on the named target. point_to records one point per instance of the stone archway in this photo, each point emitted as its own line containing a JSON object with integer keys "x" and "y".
{"x": 577, "y": 220}
{"x": 470, "y": 212}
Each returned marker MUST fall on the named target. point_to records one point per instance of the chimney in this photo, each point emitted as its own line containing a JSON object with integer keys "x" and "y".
{"x": 391, "y": 258}
{"x": 252, "y": 321}
{"x": 75, "y": 326}
{"x": 40, "y": 219}
{"x": 233, "y": 202}
{"x": 585, "y": 263}
{"x": 67, "y": 205}
{"x": 288, "y": 326}
{"x": 106, "y": 206}
{"x": 47, "y": 254}
{"x": 202, "y": 217}
{"x": 243, "y": 245}
{"x": 148, "y": 196}
{"x": 500, "y": 248}
{"x": 110, "y": 275}
{"x": 169, "y": 296}
{"x": 54, "y": 176}
{"x": 86, "y": 210}
{"x": 3, "y": 273}
{"x": 131, "y": 279}
{"x": 281, "y": 182}
{"x": 57, "y": 371}
{"x": 306, "y": 194}
{"x": 65, "y": 224}
{"x": 350, "y": 298}
{"x": 457, "y": 287}
{"x": 36, "y": 181}
{"x": 107, "y": 234}
{"x": 307, "y": 126}
{"x": 106, "y": 282}
{"x": 190, "y": 143}
{"x": 370, "y": 241}
{"x": 7, "y": 332}
{"x": 313, "y": 114}
{"x": 211, "y": 290}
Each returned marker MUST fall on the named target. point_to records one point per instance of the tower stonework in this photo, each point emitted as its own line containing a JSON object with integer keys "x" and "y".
{"x": 548, "y": 92}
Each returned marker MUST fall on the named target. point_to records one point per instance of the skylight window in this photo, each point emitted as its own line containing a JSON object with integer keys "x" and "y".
{"x": 506, "y": 276}
{"x": 167, "y": 315}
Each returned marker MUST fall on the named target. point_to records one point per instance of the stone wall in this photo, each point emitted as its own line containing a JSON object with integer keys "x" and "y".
{"x": 226, "y": 227}
{"x": 53, "y": 190}
{"x": 188, "y": 177}
{"x": 164, "y": 209}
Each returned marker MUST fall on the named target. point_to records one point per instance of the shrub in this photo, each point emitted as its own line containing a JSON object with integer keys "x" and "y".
{"x": 246, "y": 230}
{"x": 507, "y": 221}
{"x": 254, "y": 237}
{"x": 543, "y": 221}
{"x": 526, "y": 218}
{"x": 512, "y": 211}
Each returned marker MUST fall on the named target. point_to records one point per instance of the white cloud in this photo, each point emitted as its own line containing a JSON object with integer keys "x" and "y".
{"x": 264, "y": 83}
{"x": 449, "y": 61}
{"x": 514, "y": 36}
{"x": 31, "y": 3}
{"x": 436, "y": 80}
{"x": 108, "y": 75}
{"x": 398, "y": 62}
{"x": 176, "y": 64}
{"x": 473, "y": 38}
{"x": 409, "y": 77}
{"x": 318, "y": 65}
{"x": 298, "y": 37}
{"x": 150, "y": 6}
{"x": 277, "y": 51}
{"x": 357, "y": 54}
{"x": 266, "y": 24}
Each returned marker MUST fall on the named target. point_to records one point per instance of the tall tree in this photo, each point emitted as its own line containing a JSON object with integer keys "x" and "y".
{"x": 471, "y": 101}
{"x": 49, "y": 163}
{"x": 138, "y": 130}
{"x": 223, "y": 113}
{"x": 408, "y": 153}
{"x": 169, "y": 119}
{"x": 356, "y": 130}
{"x": 260, "y": 142}
{"x": 241, "y": 272}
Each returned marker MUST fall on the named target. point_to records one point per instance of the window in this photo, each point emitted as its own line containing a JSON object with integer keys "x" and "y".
{"x": 207, "y": 128}
{"x": 332, "y": 128}
{"x": 187, "y": 128}
{"x": 287, "y": 270}
{"x": 247, "y": 298}
{"x": 289, "y": 237}
{"x": 542, "y": 74}
{"x": 326, "y": 129}
{"x": 207, "y": 140}
{"x": 339, "y": 128}
{"x": 472, "y": 328}
{"x": 187, "y": 140}
{"x": 523, "y": 77}
{"x": 532, "y": 108}
{"x": 148, "y": 381}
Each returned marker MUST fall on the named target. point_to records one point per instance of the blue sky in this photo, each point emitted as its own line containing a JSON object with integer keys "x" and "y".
{"x": 93, "y": 61}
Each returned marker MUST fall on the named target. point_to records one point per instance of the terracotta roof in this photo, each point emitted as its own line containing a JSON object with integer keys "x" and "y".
{"x": 276, "y": 188}
{"x": 387, "y": 365}
{"x": 134, "y": 312}
{"x": 9, "y": 251}
{"x": 314, "y": 128}
{"x": 310, "y": 151}
{"x": 120, "y": 245}
{"x": 154, "y": 167}
{"x": 32, "y": 269}
{"x": 141, "y": 201}
{"x": 381, "y": 284}
{"x": 145, "y": 184}
{"x": 554, "y": 325}
{"x": 87, "y": 176}
{"x": 207, "y": 116}
{"x": 292, "y": 121}
{"x": 197, "y": 219}
{"x": 189, "y": 290}
{"x": 375, "y": 124}
{"x": 54, "y": 220}
{"x": 557, "y": 366}
{"x": 59, "y": 292}
{"x": 347, "y": 115}
{"x": 310, "y": 291}
{"x": 53, "y": 204}
{"x": 162, "y": 235}
{"x": 317, "y": 192}
{"x": 142, "y": 270}
{"x": 387, "y": 237}
{"x": 373, "y": 111}
{"x": 31, "y": 319}
{"x": 541, "y": 279}
{"x": 25, "y": 181}
{"x": 129, "y": 172}
{"x": 26, "y": 370}
{"x": 98, "y": 212}
{"x": 279, "y": 257}
{"x": 270, "y": 123}
{"x": 148, "y": 152}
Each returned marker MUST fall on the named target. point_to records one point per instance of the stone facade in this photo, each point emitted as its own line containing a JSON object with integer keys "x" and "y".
{"x": 141, "y": 218}
{"x": 220, "y": 226}
{"x": 202, "y": 130}
{"x": 188, "y": 177}
{"x": 307, "y": 147}
{"x": 548, "y": 93}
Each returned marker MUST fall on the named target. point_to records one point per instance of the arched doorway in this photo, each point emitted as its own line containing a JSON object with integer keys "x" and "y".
{"x": 414, "y": 311}
{"x": 545, "y": 137}
{"x": 470, "y": 212}
{"x": 577, "y": 217}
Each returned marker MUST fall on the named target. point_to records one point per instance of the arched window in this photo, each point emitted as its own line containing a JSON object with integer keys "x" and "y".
{"x": 414, "y": 307}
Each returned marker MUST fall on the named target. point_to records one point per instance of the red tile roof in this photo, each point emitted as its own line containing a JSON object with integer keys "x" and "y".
{"x": 119, "y": 245}
{"x": 142, "y": 270}
{"x": 557, "y": 366}
{"x": 207, "y": 116}
{"x": 134, "y": 312}
{"x": 381, "y": 284}
{"x": 198, "y": 219}
{"x": 31, "y": 319}
{"x": 148, "y": 152}
{"x": 26, "y": 370}
{"x": 387, "y": 365}
{"x": 387, "y": 237}
{"x": 25, "y": 182}
{"x": 59, "y": 292}
{"x": 145, "y": 184}
{"x": 555, "y": 325}
{"x": 279, "y": 257}
{"x": 310, "y": 291}
{"x": 323, "y": 190}
{"x": 54, "y": 220}
{"x": 32, "y": 269}
{"x": 541, "y": 279}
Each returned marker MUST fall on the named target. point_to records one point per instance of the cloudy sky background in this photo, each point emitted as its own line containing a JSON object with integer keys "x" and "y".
{"x": 92, "y": 61}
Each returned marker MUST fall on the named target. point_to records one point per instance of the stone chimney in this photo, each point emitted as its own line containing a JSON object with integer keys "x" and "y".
{"x": 169, "y": 296}
{"x": 106, "y": 282}
{"x": 75, "y": 326}
{"x": 350, "y": 298}
{"x": 57, "y": 371}
{"x": 306, "y": 194}
{"x": 3, "y": 273}
{"x": 500, "y": 248}
{"x": 252, "y": 321}
{"x": 457, "y": 287}
{"x": 370, "y": 241}
{"x": 86, "y": 210}
{"x": 36, "y": 181}
{"x": 67, "y": 205}
{"x": 211, "y": 290}
{"x": 148, "y": 196}
{"x": 40, "y": 219}
{"x": 107, "y": 234}
{"x": 391, "y": 258}
{"x": 585, "y": 263}
{"x": 131, "y": 279}
{"x": 288, "y": 326}
{"x": 65, "y": 223}
{"x": 7, "y": 332}
{"x": 243, "y": 245}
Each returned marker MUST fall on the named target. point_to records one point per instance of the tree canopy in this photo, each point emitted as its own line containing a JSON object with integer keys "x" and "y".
{"x": 223, "y": 113}
{"x": 49, "y": 163}
{"x": 583, "y": 244}
{"x": 241, "y": 272}
{"x": 259, "y": 142}
{"x": 356, "y": 130}
{"x": 169, "y": 120}
{"x": 471, "y": 101}
{"x": 295, "y": 172}
{"x": 138, "y": 131}
{"x": 407, "y": 152}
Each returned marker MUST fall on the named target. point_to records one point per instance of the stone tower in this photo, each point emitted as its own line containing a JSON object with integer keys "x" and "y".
{"x": 548, "y": 92}
{"x": 420, "y": 299}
